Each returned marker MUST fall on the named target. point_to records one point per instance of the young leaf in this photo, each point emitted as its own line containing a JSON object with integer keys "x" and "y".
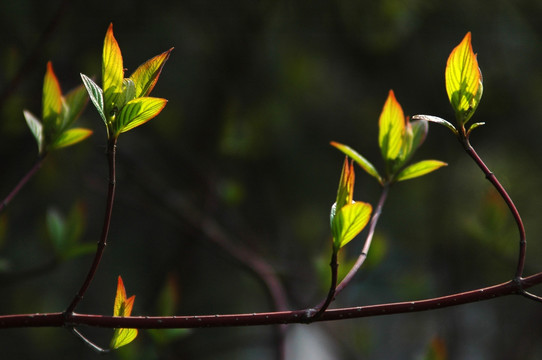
{"x": 112, "y": 71}
{"x": 52, "y": 99}
{"x": 391, "y": 128}
{"x": 96, "y": 95}
{"x": 349, "y": 221}
{"x": 437, "y": 120}
{"x": 123, "y": 307}
{"x": 419, "y": 133}
{"x": 419, "y": 169}
{"x": 359, "y": 159}
{"x": 146, "y": 75}
{"x": 70, "y": 137}
{"x": 463, "y": 80}
{"x": 35, "y": 127}
{"x": 137, "y": 112}
{"x": 75, "y": 101}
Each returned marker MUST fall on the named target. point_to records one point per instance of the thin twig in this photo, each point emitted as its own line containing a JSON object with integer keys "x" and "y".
{"x": 83, "y": 338}
{"x": 515, "y": 213}
{"x": 533, "y": 297}
{"x": 22, "y": 182}
{"x": 111, "y": 154}
{"x": 332, "y": 288}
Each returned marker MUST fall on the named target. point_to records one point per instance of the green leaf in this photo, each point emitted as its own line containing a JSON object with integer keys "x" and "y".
{"x": 52, "y": 99}
{"x": 128, "y": 92}
{"x": 359, "y": 159}
{"x": 36, "y": 128}
{"x": 437, "y": 120}
{"x": 463, "y": 80}
{"x": 419, "y": 169}
{"x": 112, "y": 72}
{"x": 56, "y": 229}
{"x": 75, "y": 102}
{"x": 137, "y": 112}
{"x": 122, "y": 337}
{"x": 96, "y": 95}
{"x": 147, "y": 74}
{"x": 349, "y": 221}
{"x": 71, "y": 137}
{"x": 391, "y": 128}
{"x": 419, "y": 133}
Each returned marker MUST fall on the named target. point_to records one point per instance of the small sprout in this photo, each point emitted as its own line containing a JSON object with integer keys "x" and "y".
{"x": 463, "y": 80}
{"x": 347, "y": 217}
{"x": 123, "y": 103}
{"x": 58, "y": 114}
{"x": 398, "y": 139}
{"x": 123, "y": 307}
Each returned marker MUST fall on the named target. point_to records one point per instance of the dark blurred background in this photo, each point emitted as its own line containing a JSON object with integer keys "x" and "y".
{"x": 256, "y": 91}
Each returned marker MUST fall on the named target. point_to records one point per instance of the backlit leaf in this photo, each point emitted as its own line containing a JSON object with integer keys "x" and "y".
{"x": 52, "y": 98}
{"x": 123, "y": 337}
{"x": 359, "y": 159}
{"x": 123, "y": 307}
{"x": 35, "y": 127}
{"x": 349, "y": 221}
{"x": 391, "y": 128}
{"x": 75, "y": 102}
{"x": 112, "y": 71}
{"x": 71, "y": 137}
{"x": 96, "y": 95}
{"x": 146, "y": 75}
{"x": 463, "y": 80}
{"x": 419, "y": 169}
{"x": 419, "y": 132}
{"x": 138, "y": 111}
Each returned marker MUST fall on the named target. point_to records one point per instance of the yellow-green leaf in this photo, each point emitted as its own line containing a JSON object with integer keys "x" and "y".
{"x": 75, "y": 101}
{"x": 391, "y": 128}
{"x": 137, "y": 112}
{"x": 359, "y": 159}
{"x": 349, "y": 221}
{"x": 123, "y": 307}
{"x": 52, "y": 99}
{"x": 419, "y": 169}
{"x": 112, "y": 71}
{"x": 71, "y": 137}
{"x": 146, "y": 75}
{"x": 122, "y": 337}
{"x": 463, "y": 80}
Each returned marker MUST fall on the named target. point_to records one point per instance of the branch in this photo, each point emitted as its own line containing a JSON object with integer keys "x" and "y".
{"x": 111, "y": 152}
{"x": 270, "y": 318}
{"x": 22, "y": 182}
{"x": 515, "y": 213}
{"x": 332, "y": 289}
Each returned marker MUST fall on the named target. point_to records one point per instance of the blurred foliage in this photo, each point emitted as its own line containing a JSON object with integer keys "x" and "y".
{"x": 257, "y": 90}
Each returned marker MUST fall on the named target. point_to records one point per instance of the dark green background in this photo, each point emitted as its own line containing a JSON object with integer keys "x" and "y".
{"x": 256, "y": 91}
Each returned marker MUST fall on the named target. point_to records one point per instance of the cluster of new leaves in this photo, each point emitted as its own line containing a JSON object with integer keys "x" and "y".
{"x": 398, "y": 139}
{"x": 58, "y": 114}
{"x": 123, "y": 103}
